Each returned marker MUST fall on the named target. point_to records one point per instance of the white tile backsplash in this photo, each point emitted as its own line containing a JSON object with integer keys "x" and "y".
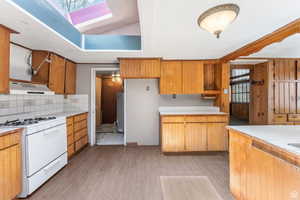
{"x": 41, "y": 104}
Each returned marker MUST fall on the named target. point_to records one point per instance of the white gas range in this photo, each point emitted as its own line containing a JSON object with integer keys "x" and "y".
{"x": 44, "y": 149}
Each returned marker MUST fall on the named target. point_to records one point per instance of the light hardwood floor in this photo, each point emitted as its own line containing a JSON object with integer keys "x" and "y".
{"x": 117, "y": 173}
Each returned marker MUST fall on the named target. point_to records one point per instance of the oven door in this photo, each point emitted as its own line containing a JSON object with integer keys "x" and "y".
{"x": 44, "y": 147}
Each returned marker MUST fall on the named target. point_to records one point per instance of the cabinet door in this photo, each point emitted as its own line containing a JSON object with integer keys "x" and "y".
{"x": 4, "y": 60}
{"x": 171, "y": 77}
{"x": 57, "y": 74}
{"x": 172, "y": 137}
{"x": 43, "y": 74}
{"x": 70, "y": 80}
{"x": 192, "y": 77}
{"x": 130, "y": 68}
{"x": 150, "y": 68}
{"x": 195, "y": 137}
{"x": 10, "y": 172}
{"x": 217, "y": 137}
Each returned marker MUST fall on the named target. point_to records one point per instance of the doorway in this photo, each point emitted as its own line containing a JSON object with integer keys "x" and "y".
{"x": 107, "y": 100}
{"x": 248, "y": 88}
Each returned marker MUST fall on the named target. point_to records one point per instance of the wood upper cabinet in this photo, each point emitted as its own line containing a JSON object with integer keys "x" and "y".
{"x": 42, "y": 76}
{"x": 171, "y": 77}
{"x": 4, "y": 59}
{"x": 70, "y": 79}
{"x": 195, "y": 137}
{"x": 140, "y": 68}
{"x": 10, "y": 165}
{"x": 173, "y": 137}
{"x": 57, "y": 74}
{"x": 192, "y": 77}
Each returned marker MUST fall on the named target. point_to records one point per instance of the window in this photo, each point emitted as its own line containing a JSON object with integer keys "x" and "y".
{"x": 240, "y": 85}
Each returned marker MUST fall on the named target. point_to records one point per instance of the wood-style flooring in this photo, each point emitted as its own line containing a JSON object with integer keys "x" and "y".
{"x": 133, "y": 173}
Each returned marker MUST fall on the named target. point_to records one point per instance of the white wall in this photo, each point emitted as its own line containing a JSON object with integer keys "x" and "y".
{"x": 18, "y": 63}
{"x": 142, "y": 116}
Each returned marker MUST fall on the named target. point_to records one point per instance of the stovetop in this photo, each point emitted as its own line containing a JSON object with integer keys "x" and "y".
{"x": 25, "y": 122}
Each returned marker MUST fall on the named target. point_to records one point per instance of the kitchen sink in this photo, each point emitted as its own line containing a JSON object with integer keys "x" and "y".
{"x": 295, "y": 145}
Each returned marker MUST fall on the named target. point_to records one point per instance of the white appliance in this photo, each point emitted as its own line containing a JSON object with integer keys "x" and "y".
{"x": 29, "y": 88}
{"x": 44, "y": 150}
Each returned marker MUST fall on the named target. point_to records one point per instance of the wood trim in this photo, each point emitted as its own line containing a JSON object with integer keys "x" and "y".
{"x": 276, "y": 36}
{"x": 11, "y": 30}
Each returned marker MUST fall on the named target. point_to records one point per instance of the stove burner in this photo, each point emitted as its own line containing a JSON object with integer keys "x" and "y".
{"x": 28, "y": 121}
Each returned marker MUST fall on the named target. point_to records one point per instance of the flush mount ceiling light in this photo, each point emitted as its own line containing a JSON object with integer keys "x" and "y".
{"x": 216, "y": 19}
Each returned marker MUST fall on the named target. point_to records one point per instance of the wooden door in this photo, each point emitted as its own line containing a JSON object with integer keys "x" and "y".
{"x": 10, "y": 172}
{"x": 98, "y": 101}
{"x": 217, "y": 137}
{"x": 173, "y": 137}
{"x": 192, "y": 77}
{"x": 258, "y": 94}
{"x": 4, "y": 59}
{"x": 171, "y": 77}
{"x": 130, "y": 68}
{"x": 57, "y": 74}
{"x": 150, "y": 68}
{"x": 70, "y": 79}
{"x": 109, "y": 99}
{"x": 195, "y": 137}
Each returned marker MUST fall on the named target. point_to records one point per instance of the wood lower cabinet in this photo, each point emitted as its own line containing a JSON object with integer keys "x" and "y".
{"x": 77, "y": 135}
{"x": 194, "y": 133}
{"x": 10, "y": 165}
{"x": 260, "y": 171}
{"x": 173, "y": 137}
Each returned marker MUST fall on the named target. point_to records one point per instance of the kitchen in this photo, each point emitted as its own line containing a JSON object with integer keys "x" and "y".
{"x": 179, "y": 138}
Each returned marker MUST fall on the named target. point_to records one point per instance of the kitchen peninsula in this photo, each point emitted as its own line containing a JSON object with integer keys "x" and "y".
{"x": 264, "y": 162}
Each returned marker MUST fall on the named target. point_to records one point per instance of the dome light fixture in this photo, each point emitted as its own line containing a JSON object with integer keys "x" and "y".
{"x": 216, "y": 19}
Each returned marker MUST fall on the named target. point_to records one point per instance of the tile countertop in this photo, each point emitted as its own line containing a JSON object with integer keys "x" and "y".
{"x": 67, "y": 113}
{"x": 4, "y": 131}
{"x": 277, "y": 135}
{"x": 190, "y": 110}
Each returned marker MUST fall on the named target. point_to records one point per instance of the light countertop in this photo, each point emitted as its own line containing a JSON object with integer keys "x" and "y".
{"x": 277, "y": 135}
{"x": 4, "y": 131}
{"x": 67, "y": 113}
{"x": 190, "y": 110}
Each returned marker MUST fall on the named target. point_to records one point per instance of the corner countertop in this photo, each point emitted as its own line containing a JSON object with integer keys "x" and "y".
{"x": 4, "y": 131}
{"x": 190, "y": 110}
{"x": 277, "y": 135}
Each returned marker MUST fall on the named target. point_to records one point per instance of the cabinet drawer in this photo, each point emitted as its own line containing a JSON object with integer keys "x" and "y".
{"x": 207, "y": 118}
{"x": 172, "y": 119}
{"x": 70, "y": 129}
{"x": 80, "y": 125}
{"x": 81, "y": 143}
{"x": 80, "y": 117}
{"x": 70, "y": 121}
{"x": 9, "y": 140}
{"x": 280, "y": 118}
{"x": 70, "y": 139}
{"x": 294, "y": 117}
{"x": 80, "y": 134}
{"x": 71, "y": 150}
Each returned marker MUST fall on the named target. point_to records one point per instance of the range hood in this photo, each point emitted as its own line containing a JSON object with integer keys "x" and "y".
{"x": 29, "y": 88}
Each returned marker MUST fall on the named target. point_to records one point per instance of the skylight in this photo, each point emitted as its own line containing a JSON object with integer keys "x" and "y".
{"x": 82, "y": 12}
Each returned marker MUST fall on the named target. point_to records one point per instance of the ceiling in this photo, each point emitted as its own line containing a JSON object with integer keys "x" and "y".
{"x": 169, "y": 29}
